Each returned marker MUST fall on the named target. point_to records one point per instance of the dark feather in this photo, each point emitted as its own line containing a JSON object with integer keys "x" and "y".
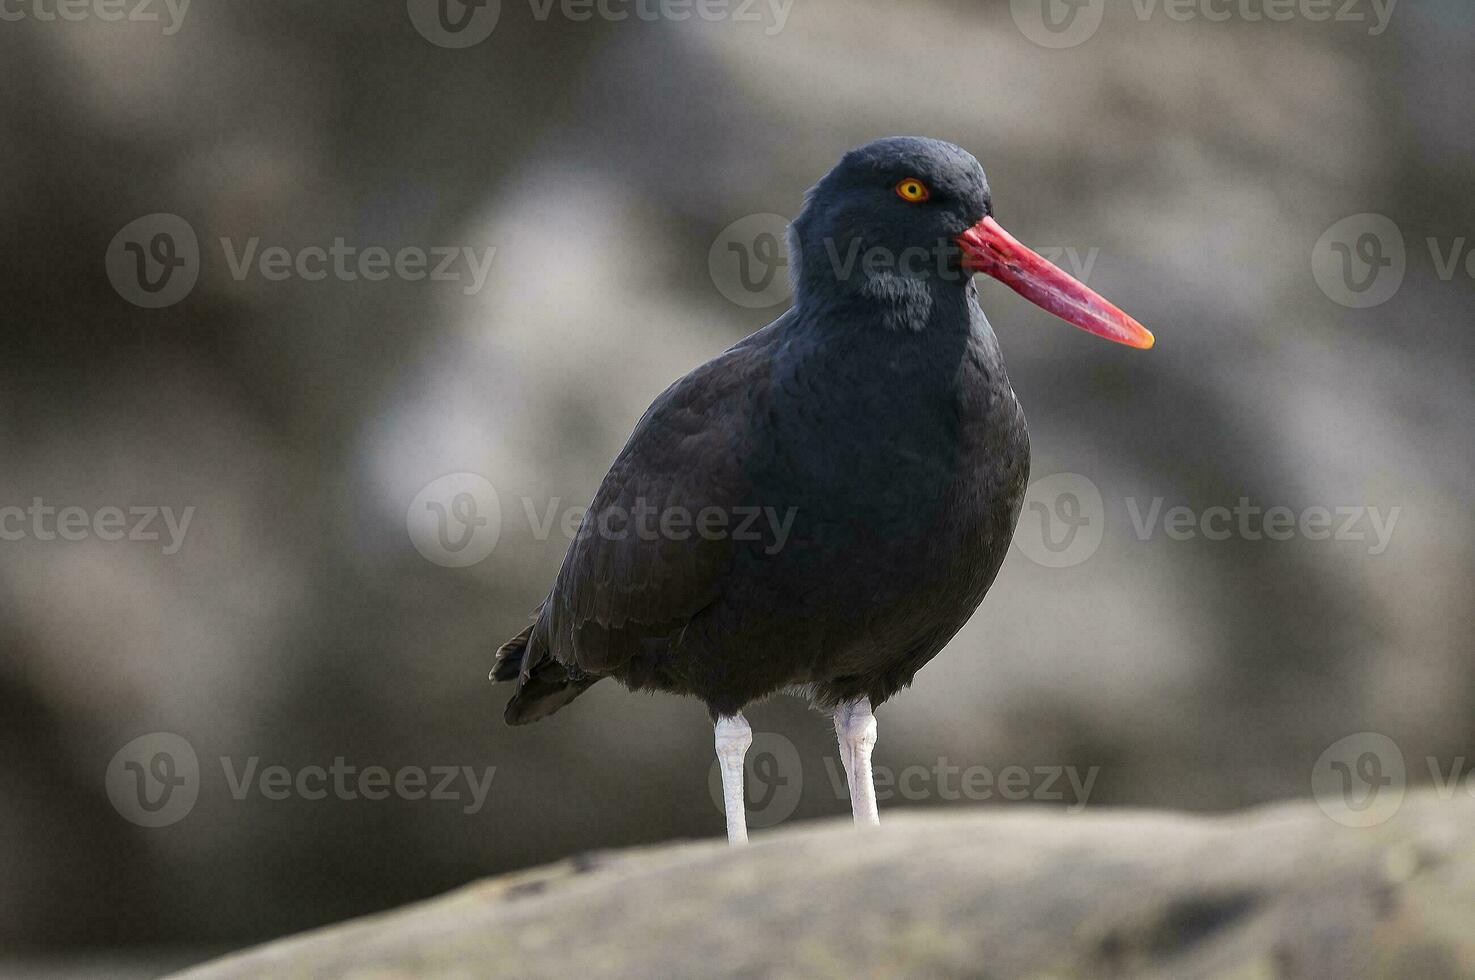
{"x": 873, "y": 428}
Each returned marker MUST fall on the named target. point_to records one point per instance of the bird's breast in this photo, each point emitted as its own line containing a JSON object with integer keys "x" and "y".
{"x": 897, "y": 451}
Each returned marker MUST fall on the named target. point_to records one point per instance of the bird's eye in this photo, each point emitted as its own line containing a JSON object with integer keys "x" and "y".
{"x": 913, "y": 190}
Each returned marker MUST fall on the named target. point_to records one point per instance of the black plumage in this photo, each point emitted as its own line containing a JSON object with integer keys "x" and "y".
{"x": 873, "y": 430}
{"x": 875, "y": 416}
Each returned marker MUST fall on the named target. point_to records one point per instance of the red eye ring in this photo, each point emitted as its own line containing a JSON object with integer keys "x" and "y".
{"x": 912, "y": 190}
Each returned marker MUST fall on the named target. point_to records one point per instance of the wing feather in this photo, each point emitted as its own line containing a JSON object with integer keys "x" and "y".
{"x": 639, "y": 568}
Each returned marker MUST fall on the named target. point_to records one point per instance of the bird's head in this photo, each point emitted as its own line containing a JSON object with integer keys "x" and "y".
{"x": 902, "y": 217}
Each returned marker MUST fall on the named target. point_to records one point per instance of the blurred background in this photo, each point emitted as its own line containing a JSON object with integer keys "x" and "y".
{"x": 600, "y": 174}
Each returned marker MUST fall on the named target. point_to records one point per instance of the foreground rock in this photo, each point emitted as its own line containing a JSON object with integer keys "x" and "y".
{"x": 1277, "y": 892}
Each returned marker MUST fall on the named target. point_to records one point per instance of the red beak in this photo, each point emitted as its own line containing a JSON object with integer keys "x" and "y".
{"x": 989, "y": 249}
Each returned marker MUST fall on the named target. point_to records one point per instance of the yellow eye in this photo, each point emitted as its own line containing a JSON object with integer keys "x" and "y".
{"x": 912, "y": 189}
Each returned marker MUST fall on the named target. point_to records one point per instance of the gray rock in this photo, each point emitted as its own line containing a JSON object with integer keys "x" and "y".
{"x": 1281, "y": 891}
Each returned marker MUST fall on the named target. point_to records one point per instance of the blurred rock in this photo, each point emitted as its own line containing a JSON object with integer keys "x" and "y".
{"x": 1275, "y": 892}
{"x": 1193, "y": 164}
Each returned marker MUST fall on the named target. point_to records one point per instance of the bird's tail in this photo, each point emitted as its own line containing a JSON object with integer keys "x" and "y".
{"x": 508, "y": 662}
{"x": 543, "y": 684}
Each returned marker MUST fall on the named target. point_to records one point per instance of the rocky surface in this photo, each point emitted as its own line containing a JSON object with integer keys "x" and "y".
{"x": 1281, "y": 891}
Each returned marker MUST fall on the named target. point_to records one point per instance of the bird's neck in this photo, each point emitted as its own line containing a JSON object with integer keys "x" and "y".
{"x": 941, "y": 342}
{"x": 889, "y": 302}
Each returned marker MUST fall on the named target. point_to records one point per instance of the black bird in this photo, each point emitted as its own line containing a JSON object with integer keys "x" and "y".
{"x": 820, "y": 508}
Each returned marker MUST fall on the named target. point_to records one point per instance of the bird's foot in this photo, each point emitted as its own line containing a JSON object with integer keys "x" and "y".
{"x": 855, "y": 728}
{"x": 733, "y": 738}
